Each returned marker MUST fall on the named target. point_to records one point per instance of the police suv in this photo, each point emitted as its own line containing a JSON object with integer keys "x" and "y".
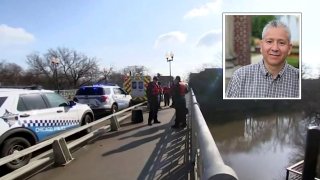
{"x": 29, "y": 116}
{"x": 104, "y": 98}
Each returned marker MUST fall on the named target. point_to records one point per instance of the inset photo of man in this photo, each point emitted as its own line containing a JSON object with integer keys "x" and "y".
{"x": 262, "y": 55}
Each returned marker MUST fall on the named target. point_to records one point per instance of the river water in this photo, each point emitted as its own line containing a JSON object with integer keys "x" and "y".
{"x": 260, "y": 146}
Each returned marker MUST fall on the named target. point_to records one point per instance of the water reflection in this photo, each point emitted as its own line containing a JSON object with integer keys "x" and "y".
{"x": 261, "y": 146}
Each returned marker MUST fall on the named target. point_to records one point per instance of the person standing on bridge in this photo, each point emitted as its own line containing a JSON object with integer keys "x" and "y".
{"x": 179, "y": 91}
{"x": 166, "y": 94}
{"x": 153, "y": 92}
{"x": 272, "y": 77}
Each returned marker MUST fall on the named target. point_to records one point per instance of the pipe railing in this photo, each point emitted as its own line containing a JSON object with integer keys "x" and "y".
{"x": 205, "y": 154}
{"x": 307, "y": 168}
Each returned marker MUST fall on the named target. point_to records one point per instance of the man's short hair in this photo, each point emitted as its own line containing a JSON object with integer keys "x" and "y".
{"x": 155, "y": 78}
{"x": 276, "y": 24}
{"x": 178, "y": 78}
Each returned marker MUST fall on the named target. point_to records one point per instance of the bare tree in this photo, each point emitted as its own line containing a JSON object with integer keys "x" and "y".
{"x": 132, "y": 70}
{"x": 74, "y": 68}
{"x": 105, "y": 75}
{"x": 117, "y": 78}
{"x": 10, "y": 73}
{"x": 307, "y": 72}
{"x": 32, "y": 78}
{"x": 40, "y": 65}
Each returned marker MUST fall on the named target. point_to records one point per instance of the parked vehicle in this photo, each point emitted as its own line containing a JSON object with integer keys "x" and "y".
{"x": 105, "y": 98}
{"x": 29, "y": 116}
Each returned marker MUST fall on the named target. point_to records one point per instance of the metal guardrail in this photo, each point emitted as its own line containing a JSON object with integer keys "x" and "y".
{"x": 306, "y": 169}
{"x": 60, "y": 153}
{"x": 204, "y": 153}
{"x": 294, "y": 172}
{"x": 311, "y": 154}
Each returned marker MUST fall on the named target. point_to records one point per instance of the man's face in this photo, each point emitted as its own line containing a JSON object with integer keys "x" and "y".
{"x": 275, "y": 46}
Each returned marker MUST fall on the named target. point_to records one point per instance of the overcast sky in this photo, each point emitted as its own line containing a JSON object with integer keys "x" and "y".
{"x": 122, "y": 33}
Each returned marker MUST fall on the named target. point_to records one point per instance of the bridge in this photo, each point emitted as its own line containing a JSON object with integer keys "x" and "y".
{"x": 120, "y": 149}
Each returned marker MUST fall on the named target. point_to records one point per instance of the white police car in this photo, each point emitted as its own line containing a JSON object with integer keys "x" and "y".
{"x": 105, "y": 98}
{"x": 30, "y": 116}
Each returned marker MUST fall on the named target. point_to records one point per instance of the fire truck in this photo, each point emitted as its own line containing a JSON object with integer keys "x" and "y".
{"x": 136, "y": 86}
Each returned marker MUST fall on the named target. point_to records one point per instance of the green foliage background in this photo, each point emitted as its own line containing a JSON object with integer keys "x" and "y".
{"x": 258, "y": 23}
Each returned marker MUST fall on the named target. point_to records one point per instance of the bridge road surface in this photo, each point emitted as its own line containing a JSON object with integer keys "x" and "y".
{"x": 136, "y": 151}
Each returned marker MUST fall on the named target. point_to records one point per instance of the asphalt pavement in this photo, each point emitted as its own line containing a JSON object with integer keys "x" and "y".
{"x": 136, "y": 151}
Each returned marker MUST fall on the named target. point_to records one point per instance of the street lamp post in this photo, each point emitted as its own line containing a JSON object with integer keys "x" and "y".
{"x": 169, "y": 57}
{"x": 55, "y": 62}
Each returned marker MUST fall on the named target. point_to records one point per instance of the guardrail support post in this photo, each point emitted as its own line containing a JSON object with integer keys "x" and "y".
{"x": 62, "y": 155}
{"x": 114, "y": 124}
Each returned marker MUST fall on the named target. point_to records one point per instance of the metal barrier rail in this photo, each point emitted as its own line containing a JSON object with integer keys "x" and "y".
{"x": 204, "y": 153}
{"x": 61, "y": 150}
{"x": 307, "y": 168}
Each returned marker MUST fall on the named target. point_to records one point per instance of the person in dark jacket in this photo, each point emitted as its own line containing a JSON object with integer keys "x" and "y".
{"x": 166, "y": 94}
{"x": 153, "y": 91}
{"x": 179, "y": 91}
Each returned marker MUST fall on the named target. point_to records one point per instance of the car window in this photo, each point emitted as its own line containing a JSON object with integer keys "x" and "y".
{"x": 90, "y": 91}
{"x": 55, "y": 100}
{"x": 116, "y": 91}
{"x": 107, "y": 91}
{"x": 140, "y": 85}
{"x": 134, "y": 85}
{"x": 122, "y": 91}
{"x": 30, "y": 102}
{"x": 2, "y": 100}
{"x": 21, "y": 106}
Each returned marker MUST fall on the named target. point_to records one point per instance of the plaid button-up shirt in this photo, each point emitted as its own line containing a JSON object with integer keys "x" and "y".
{"x": 254, "y": 81}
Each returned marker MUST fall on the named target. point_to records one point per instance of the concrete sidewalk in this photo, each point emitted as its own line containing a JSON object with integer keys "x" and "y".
{"x": 136, "y": 151}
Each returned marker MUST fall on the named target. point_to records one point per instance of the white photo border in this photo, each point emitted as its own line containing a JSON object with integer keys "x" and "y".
{"x": 298, "y": 14}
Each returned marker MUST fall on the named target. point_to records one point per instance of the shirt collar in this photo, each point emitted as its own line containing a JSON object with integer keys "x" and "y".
{"x": 265, "y": 72}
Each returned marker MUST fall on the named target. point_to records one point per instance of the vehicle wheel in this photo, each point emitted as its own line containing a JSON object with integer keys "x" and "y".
{"x": 86, "y": 120}
{"x": 114, "y": 108}
{"x": 14, "y": 145}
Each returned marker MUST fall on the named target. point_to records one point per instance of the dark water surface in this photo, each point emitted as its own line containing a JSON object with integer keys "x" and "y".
{"x": 260, "y": 146}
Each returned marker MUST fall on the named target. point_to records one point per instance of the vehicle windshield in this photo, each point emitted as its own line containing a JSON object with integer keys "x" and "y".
{"x": 55, "y": 100}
